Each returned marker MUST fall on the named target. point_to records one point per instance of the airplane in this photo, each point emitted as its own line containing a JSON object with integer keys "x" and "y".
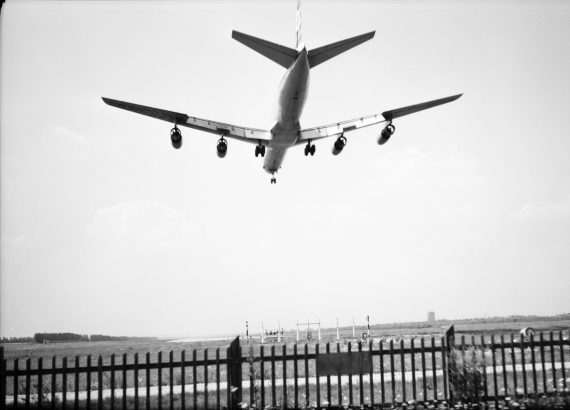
{"x": 286, "y": 131}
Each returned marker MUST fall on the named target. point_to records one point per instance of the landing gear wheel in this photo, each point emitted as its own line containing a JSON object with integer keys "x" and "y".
{"x": 262, "y": 150}
{"x": 257, "y": 151}
{"x": 309, "y": 149}
{"x": 312, "y": 150}
{"x": 273, "y": 181}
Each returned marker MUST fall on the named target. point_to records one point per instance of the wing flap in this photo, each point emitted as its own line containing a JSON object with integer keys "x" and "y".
{"x": 214, "y": 127}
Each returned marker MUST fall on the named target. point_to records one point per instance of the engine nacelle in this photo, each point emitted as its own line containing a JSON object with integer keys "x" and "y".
{"x": 386, "y": 133}
{"x": 339, "y": 144}
{"x": 222, "y": 148}
{"x": 176, "y": 138}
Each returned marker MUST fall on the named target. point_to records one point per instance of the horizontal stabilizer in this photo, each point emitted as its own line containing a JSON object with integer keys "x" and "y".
{"x": 322, "y": 54}
{"x": 283, "y": 56}
{"x": 400, "y": 112}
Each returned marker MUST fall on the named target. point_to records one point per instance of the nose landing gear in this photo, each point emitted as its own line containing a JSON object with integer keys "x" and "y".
{"x": 273, "y": 181}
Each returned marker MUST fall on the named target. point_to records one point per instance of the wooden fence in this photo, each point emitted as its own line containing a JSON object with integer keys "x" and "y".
{"x": 432, "y": 371}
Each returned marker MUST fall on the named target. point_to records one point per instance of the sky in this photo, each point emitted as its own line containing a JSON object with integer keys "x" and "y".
{"x": 105, "y": 228}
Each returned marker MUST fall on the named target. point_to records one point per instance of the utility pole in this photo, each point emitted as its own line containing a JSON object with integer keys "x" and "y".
{"x": 353, "y": 331}
{"x": 247, "y": 331}
{"x": 279, "y": 332}
{"x": 368, "y": 320}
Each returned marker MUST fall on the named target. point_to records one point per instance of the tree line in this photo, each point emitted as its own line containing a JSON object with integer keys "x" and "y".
{"x": 72, "y": 337}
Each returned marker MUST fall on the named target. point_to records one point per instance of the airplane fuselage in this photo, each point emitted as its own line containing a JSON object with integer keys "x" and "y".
{"x": 287, "y": 109}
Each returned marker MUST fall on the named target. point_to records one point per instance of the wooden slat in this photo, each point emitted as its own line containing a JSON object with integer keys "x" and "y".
{"x": 194, "y": 382}
{"x": 251, "y": 371}
{"x": 544, "y": 389}
{"x": 217, "y": 379}
{"x": 76, "y": 385}
{"x": 125, "y": 381}
{"x": 183, "y": 380}
{"x": 433, "y": 368}
{"x": 444, "y": 369}
{"x": 552, "y": 359}
{"x": 414, "y": 396}
{"x": 171, "y": 377}
{"x": 382, "y": 385}
{"x": 484, "y": 361}
{"x": 147, "y": 381}
{"x": 317, "y": 379}
{"x": 136, "y": 381}
{"x": 206, "y": 378}
{"x": 339, "y": 385}
{"x": 159, "y": 375}
{"x": 403, "y": 370}
{"x": 54, "y": 384}
{"x": 564, "y": 384}
{"x": 112, "y": 382}
{"x": 273, "y": 402}
{"x": 40, "y": 388}
{"x": 424, "y": 382}
{"x": 371, "y": 379}
{"x": 295, "y": 376}
{"x": 328, "y": 350}
{"x": 100, "y": 383}
{"x": 494, "y": 361}
{"x": 228, "y": 379}
{"x": 360, "y": 380}
{"x": 533, "y": 358}
{"x": 88, "y": 383}
{"x": 350, "y": 399}
{"x": 523, "y": 366}
{"x": 504, "y": 365}
{"x": 514, "y": 363}
{"x": 284, "y": 354}
{"x": 262, "y": 371}
{"x": 28, "y": 384}
{"x": 16, "y": 370}
{"x": 307, "y": 400}
{"x": 474, "y": 366}
{"x": 463, "y": 361}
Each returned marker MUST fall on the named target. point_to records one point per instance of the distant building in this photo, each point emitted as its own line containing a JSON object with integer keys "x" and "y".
{"x": 431, "y": 317}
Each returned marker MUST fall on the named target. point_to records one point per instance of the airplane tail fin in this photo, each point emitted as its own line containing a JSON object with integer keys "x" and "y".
{"x": 282, "y": 55}
{"x": 322, "y": 54}
{"x": 300, "y": 45}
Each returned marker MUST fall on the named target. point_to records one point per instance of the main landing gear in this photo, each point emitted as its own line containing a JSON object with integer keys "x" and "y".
{"x": 310, "y": 149}
{"x": 260, "y": 150}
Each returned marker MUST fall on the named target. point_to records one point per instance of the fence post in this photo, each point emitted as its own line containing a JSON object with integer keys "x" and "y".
{"x": 235, "y": 373}
{"x": 449, "y": 334}
{"x": 2, "y": 380}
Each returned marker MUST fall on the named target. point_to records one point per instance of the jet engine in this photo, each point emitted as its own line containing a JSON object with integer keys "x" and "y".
{"x": 176, "y": 137}
{"x": 222, "y": 148}
{"x": 387, "y": 132}
{"x": 339, "y": 145}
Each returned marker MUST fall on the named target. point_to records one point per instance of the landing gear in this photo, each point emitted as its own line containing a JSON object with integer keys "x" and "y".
{"x": 309, "y": 149}
{"x": 273, "y": 181}
{"x": 260, "y": 150}
{"x": 176, "y": 137}
{"x": 222, "y": 147}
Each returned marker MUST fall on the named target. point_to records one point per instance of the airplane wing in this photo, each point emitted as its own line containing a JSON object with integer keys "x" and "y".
{"x": 247, "y": 134}
{"x": 351, "y": 125}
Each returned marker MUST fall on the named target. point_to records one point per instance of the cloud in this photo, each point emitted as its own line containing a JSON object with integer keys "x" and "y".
{"x": 555, "y": 211}
{"x": 143, "y": 225}
{"x": 69, "y": 135}
{"x": 443, "y": 169}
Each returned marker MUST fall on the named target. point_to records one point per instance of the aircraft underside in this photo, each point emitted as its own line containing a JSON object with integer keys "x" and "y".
{"x": 288, "y": 106}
